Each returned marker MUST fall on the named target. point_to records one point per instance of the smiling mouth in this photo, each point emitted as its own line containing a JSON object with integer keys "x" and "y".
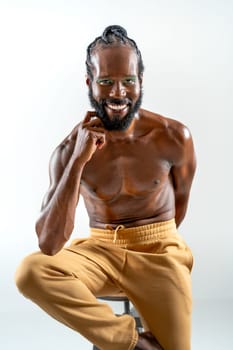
{"x": 117, "y": 107}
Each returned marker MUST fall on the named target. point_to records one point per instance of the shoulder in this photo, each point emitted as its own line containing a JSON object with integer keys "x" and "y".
{"x": 63, "y": 151}
{"x": 170, "y": 136}
{"x": 169, "y": 128}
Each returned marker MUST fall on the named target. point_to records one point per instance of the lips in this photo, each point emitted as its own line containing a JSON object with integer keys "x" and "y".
{"x": 117, "y": 105}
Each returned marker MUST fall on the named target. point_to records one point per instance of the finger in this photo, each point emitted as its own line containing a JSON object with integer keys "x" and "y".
{"x": 96, "y": 129}
{"x": 100, "y": 142}
{"x": 88, "y": 116}
{"x": 95, "y": 122}
{"x": 98, "y": 136}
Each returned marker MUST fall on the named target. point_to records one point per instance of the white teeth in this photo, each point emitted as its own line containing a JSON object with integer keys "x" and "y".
{"x": 117, "y": 107}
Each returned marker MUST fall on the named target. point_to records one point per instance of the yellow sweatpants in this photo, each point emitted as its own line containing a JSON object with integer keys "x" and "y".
{"x": 151, "y": 264}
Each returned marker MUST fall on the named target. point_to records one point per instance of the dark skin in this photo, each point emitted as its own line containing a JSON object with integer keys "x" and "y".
{"x": 133, "y": 177}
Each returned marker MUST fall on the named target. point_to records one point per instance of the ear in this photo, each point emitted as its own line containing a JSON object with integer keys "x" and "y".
{"x": 88, "y": 80}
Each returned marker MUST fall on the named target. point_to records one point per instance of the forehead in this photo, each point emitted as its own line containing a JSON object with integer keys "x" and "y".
{"x": 113, "y": 61}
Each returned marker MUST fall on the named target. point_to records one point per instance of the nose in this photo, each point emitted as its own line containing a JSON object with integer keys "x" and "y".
{"x": 118, "y": 90}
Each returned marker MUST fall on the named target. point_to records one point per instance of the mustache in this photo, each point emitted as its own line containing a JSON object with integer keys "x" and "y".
{"x": 117, "y": 101}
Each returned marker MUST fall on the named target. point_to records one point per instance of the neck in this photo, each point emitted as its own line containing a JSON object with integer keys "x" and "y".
{"x": 127, "y": 134}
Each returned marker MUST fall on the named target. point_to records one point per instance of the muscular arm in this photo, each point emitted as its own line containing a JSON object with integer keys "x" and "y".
{"x": 56, "y": 221}
{"x": 182, "y": 173}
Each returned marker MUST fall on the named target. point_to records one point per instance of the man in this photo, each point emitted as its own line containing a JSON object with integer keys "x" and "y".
{"x": 134, "y": 169}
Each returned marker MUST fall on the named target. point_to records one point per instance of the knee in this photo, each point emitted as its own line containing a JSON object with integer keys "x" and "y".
{"x": 27, "y": 275}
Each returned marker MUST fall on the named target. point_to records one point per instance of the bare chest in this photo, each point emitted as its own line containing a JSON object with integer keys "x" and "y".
{"x": 125, "y": 170}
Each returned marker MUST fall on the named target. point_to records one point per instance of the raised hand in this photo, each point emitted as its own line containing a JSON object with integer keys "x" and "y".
{"x": 90, "y": 137}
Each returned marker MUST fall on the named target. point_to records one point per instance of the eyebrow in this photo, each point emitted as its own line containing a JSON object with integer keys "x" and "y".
{"x": 104, "y": 78}
{"x": 134, "y": 77}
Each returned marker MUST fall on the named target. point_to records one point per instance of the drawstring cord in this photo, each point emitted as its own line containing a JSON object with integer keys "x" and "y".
{"x": 119, "y": 227}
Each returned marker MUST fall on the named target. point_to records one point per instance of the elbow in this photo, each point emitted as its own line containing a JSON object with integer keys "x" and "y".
{"x": 50, "y": 240}
{"x": 42, "y": 242}
{"x": 48, "y": 244}
{"x": 48, "y": 248}
{"x": 45, "y": 249}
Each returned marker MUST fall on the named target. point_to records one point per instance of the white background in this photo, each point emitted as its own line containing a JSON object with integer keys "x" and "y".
{"x": 187, "y": 51}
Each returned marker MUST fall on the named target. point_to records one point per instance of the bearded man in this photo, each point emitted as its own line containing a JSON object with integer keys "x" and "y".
{"x": 134, "y": 170}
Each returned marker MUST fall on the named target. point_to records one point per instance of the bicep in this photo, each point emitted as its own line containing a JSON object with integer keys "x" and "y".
{"x": 56, "y": 169}
{"x": 58, "y": 162}
{"x": 183, "y": 169}
{"x": 57, "y": 165}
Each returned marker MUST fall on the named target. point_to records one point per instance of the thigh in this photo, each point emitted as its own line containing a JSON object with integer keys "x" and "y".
{"x": 91, "y": 273}
{"x": 159, "y": 285}
{"x": 101, "y": 265}
{"x": 167, "y": 309}
{"x": 66, "y": 265}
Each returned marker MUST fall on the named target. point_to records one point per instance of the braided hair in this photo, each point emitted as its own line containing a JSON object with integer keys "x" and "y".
{"x": 111, "y": 36}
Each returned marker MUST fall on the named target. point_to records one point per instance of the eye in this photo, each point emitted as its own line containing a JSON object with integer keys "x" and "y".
{"x": 105, "y": 82}
{"x": 129, "y": 81}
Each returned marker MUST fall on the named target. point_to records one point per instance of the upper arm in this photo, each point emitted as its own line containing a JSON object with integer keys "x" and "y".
{"x": 184, "y": 166}
{"x": 58, "y": 161}
{"x": 183, "y": 170}
{"x": 56, "y": 169}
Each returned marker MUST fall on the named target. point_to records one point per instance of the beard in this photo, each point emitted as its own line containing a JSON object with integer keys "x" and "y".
{"x": 115, "y": 123}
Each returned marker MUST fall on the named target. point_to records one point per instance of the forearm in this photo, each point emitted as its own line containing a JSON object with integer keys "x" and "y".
{"x": 56, "y": 221}
{"x": 181, "y": 208}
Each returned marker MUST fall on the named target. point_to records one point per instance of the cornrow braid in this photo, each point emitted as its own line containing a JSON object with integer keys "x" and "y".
{"x": 112, "y": 35}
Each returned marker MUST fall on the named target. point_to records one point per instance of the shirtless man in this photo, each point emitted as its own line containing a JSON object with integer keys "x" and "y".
{"x": 134, "y": 169}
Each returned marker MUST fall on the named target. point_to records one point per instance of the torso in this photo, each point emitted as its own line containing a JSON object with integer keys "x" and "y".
{"x": 129, "y": 181}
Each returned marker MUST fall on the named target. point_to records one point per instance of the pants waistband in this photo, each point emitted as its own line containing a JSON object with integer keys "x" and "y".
{"x": 146, "y": 233}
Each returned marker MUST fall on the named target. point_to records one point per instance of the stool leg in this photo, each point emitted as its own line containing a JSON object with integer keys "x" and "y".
{"x": 127, "y": 307}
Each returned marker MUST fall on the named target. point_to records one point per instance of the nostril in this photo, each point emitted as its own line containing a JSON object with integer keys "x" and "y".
{"x": 118, "y": 92}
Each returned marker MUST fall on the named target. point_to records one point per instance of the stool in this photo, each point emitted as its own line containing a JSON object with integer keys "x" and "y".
{"x": 127, "y": 310}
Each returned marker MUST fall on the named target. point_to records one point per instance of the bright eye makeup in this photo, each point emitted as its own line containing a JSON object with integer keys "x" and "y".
{"x": 129, "y": 80}
{"x": 105, "y": 82}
